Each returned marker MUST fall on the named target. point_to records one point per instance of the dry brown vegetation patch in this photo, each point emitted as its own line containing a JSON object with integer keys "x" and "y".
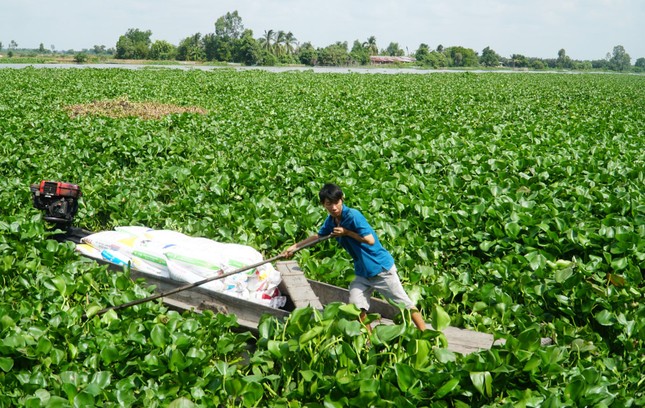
{"x": 123, "y": 108}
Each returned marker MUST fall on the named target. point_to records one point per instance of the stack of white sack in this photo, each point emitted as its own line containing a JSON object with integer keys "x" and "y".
{"x": 183, "y": 258}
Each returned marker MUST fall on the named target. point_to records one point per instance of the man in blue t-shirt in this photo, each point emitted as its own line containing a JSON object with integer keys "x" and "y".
{"x": 373, "y": 265}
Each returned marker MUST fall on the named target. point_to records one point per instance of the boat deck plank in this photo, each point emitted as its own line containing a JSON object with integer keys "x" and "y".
{"x": 462, "y": 341}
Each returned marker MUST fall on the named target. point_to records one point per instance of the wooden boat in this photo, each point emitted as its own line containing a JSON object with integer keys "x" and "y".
{"x": 59, "y": 202}
{"x": 299, "y": 290}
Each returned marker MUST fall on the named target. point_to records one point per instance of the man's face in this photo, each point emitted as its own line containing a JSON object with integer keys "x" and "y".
{"x": 333, "y": 208}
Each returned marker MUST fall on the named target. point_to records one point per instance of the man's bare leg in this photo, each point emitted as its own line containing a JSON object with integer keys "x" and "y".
{"x": 417, "y": 318}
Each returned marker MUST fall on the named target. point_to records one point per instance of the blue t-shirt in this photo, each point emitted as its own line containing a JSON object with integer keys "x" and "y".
{"x": 369, "y": 260}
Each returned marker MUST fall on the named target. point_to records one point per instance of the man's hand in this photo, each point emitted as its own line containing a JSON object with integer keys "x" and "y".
{"x": 288, "y": 253}
{"x": 339, "y": 232}
{"x": 344, "y": 232}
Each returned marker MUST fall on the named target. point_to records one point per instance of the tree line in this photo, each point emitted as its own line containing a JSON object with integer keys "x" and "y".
{"x": 232, "y": 43}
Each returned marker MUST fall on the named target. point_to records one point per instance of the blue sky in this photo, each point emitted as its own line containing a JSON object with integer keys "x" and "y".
{"x": 586, "y": 29}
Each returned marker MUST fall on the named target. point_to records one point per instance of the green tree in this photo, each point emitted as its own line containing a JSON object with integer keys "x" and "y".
{"x": 620, "y": 60}
{"x": 308, "y": 55}
{"x": 437, "y": 60}
{"x": 191, "y": 49}
{"x": 334, "y": 55}
{"x": 431, "y": 58}
{"x": 278, "y": 45}
{"x": 217, "y": 48}
{"x": 359, "y": 53}
{"x": 563, "y": 60}
{"x": 600, "y": 64}
{"x": 394, "y": 50}
{"x": 225, "y": 43}
{"x": 422, "y": 53}
{"x": 41, "y": 48}
{"x": 162, "y": 50}
{"x": 489, "y": 58}
{"x": 135, "y": 44}
{"x": 229, "y": 26}
{"x": 249, "y": 51}
{"x": 519, "y": 61}
{"x": 640, "y": 63}
{"x": 1, "y": 45}
{"x": 80, "y": 57}
{"x": 462, "y": 57}
{"x": 371, "y": 46}
{"x": 537, "y": 63}
{"x": 290, "y": 43}
{"x": 283, "y": 47}
{"x": 268, "y": 40}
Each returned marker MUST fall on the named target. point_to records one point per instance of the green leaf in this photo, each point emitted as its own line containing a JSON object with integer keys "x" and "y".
{"x": 15, "y": 341}
{"x": 536, "y": 260}
{"x": 310, "y": 335}
{"x": 486, "y": 245}
{"x": 405, "y": 376}
{"x": 92, "y": 310}
{"x": 439, "y": 318}
{"x": 83, "y": 399}
{"x": 420, "y": 350}
{"x": 605, "y": 318}
{"x": 178, "y": 360}
{"x": 575, "y": 388}
{"x": 350, "y": 309}
{"x": 290, "y": 227}
{"x": 385, "y": 334}
{"x": 59, "y": 283}
{"x": 483, "y": 382}
{"x": 102, "y": 379}
{"x": 512, "y": 229}
{"x": 563, "y": 274}
{"x": 529, "y": 339}
{"x": 159, "y": 335}
{"x": 276, "y": 348}
{"x": 109, "y": 354}
{"x": 6, "y": 321}
{"x": 57, "y": 356}
{"x": 444, "y": 355}
{"x": 533, "y": 363}
{"x": 44, "y": 346}
{"x": 450, "y": 386}
{"x": 619, "y": 264}
{"x": 350, "y": 328}
{"x": 6, "y": 364}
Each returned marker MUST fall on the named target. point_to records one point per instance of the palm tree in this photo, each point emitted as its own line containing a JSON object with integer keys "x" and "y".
{"x": 290, "y": 42}
{"x": 370, "y": 45}
{"x": 267, "y": 40}
{"x": 279, "y": 42}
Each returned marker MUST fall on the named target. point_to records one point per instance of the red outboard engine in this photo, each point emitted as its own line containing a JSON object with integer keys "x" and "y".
{"x": 58, "y": 200}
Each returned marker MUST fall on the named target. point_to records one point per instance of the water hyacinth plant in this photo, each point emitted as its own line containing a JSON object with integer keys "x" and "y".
{"x": 513, "y": 203}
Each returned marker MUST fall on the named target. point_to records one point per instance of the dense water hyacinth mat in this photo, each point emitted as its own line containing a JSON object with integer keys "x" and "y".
{"x": 514, "y": 202}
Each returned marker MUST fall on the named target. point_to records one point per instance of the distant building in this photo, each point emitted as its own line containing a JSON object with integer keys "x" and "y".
{"x": 384, "y": 59}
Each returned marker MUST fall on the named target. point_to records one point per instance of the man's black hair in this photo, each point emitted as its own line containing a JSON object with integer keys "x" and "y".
{"x": 330, "y": 192}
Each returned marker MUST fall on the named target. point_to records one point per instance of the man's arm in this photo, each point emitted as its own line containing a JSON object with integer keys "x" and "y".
{"x": 288, "y": 253}
{"x": 340, "y": 232}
